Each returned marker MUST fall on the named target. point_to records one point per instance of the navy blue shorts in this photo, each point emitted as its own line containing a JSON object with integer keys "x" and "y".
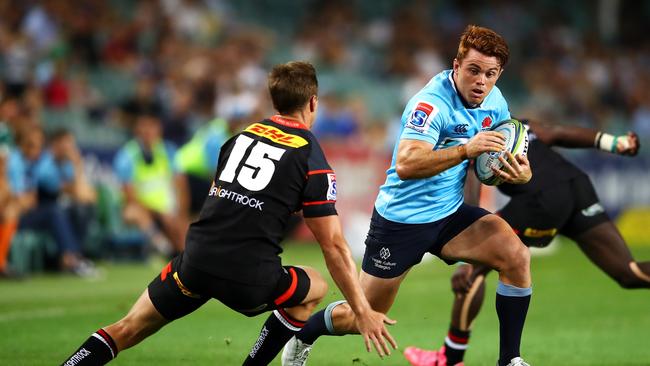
{"x": 392, "y": 247}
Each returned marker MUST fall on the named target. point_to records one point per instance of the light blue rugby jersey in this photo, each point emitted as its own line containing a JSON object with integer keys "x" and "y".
{"x": 437, "y": 115}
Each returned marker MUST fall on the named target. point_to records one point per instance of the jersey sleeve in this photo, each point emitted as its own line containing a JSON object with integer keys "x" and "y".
{"x": 503, "y": 109}
{"x": 319, "y": 194}
{"x": 423, "y": 119}
{"x": 123, "y": 166}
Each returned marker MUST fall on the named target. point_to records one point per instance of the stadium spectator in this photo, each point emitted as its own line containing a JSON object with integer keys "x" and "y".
{"x": 232, "y": 250}
{"x": 155, "y": 193}
{"x": 39, "y": 211}
{"x": 420, "y": 206}
{"x": 560, "y": 200}
{"x": 62, "y": 178}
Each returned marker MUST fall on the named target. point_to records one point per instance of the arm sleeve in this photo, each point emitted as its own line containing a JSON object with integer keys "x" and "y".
{"x": 123, "y": 166}
{"x": 319, "y": 194}
{"x": 422, "y": 120}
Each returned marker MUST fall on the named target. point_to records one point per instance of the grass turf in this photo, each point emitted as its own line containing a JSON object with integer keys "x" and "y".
{"x": 578, "y": 316}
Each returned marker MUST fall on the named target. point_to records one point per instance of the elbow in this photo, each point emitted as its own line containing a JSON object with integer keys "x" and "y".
{"x": 403, "y": 172}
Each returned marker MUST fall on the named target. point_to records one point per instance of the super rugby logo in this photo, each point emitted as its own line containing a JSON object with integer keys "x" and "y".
{"x": 421, "y": 114}
{"x": 331, "y": 190}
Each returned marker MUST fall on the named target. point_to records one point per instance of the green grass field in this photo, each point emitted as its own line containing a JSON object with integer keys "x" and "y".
{"x": 578, "y": 316}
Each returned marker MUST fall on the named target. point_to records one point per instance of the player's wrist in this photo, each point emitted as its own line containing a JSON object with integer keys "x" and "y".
{"x": 606, "y": 142}
{"x": 462, "y": 152}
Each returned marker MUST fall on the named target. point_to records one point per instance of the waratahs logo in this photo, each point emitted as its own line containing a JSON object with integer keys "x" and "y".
{"x": 487, "y": 122}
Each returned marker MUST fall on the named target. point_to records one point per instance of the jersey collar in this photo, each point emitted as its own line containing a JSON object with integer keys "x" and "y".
{"x": 289, "y": 122}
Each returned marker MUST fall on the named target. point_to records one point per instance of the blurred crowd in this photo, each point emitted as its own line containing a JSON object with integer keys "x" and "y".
{"x": 174, "y": 78}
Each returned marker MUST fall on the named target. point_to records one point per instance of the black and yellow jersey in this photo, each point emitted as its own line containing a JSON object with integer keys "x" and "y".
{"x": 266, "y": 173}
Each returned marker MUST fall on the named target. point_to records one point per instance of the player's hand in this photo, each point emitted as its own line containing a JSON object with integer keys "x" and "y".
{"x": 372, "y": 327}
{"x": 628, "y": 145}
{"x": 516, "y": 169}
{"x": 486, "y": 141}
{"x": 461, "y": 280}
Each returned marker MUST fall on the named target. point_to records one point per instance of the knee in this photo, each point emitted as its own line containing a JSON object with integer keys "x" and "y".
{"x": 515, "y": 256}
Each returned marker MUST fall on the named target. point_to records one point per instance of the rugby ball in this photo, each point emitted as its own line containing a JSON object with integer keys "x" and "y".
{"x": 516, "y": 142}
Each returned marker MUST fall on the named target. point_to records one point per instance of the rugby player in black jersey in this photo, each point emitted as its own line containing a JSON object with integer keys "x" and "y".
{"x": 265, "y": 174}
{"x": 559, "y": 199}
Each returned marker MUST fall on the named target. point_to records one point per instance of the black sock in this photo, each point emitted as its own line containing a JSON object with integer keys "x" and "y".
{"x": 276, "y": 332}
{"x": 98, "y": 349}
{"x": 319, "y": 324}
{"x": 314, "y": 328}
{"x": 455, "y": 345}
{"x": 512, "y": 307}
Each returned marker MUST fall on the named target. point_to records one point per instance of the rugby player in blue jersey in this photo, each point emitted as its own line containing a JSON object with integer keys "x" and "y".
{"x": 420, "y": 207}
{"x": 559, "y": 200}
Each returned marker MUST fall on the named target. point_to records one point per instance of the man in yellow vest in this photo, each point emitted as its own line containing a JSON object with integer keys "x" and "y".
{"x": 197, "y": 159}
{"x": 155, "y": 193}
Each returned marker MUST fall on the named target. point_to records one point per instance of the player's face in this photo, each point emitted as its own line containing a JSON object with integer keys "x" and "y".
{"x": 476, "y": 75}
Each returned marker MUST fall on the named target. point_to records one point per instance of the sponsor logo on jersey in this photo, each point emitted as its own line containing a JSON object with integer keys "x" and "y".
{"x": 487, "y": 122}
{"x": 539, "y": 233}
{"x": 593, "y": 210}
{"x": 331, "y": 187}
{"x": 461, "y": 129}
{"x": 235, "y": 197}
{"x": 422, "y": 113}
{"x": 276, "y": 135}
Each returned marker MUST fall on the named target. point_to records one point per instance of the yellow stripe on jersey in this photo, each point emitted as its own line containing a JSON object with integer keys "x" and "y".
{"x": 276, "y": 135}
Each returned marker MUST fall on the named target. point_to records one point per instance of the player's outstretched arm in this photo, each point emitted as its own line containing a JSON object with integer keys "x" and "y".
{"x": 417, "y": 159}
{"x": 581, "y": 137}
{"x": 370, "y": 323}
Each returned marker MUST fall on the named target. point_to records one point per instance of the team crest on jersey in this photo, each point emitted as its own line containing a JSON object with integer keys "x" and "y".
{"x": 487, "y": 122}
{"x": 421, "y": 114}
{"x": 331, "y": 187}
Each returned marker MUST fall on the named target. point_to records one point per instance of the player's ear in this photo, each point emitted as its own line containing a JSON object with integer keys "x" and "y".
{"x": 313, "y": 102}
{"x": 456, "y": 65}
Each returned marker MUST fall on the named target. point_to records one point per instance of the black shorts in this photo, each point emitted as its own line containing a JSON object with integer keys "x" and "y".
{"x": 180, "y": 289}
{"x": 568, "y": 208}
{"x": 392, "y": 247}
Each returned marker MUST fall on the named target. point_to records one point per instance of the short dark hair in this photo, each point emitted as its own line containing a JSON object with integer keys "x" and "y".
{"x": 291, "y": 85}
{"x": 485, "y": 41}
{"x": 59, "y": 134}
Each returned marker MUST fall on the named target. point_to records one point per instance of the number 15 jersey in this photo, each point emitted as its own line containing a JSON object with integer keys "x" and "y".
{"x": 265, "y": 174}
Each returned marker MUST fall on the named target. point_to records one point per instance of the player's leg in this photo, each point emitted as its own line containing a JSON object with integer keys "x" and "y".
{"x": 165, "y": 300}
{"x": 600, "y": 240}
{"x": 468, "y": 286}
{"x": 491, "y": 241}
{"x": 391, "y": 249}
{"x": 337, "y": 318}
{"x": 295, "y": 301}
{"x": 606, "y": 248}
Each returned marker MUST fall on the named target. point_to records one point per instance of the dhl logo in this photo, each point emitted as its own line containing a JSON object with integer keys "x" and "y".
{"x": 538, "y": 233}
{"x": 276, "y": 135}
